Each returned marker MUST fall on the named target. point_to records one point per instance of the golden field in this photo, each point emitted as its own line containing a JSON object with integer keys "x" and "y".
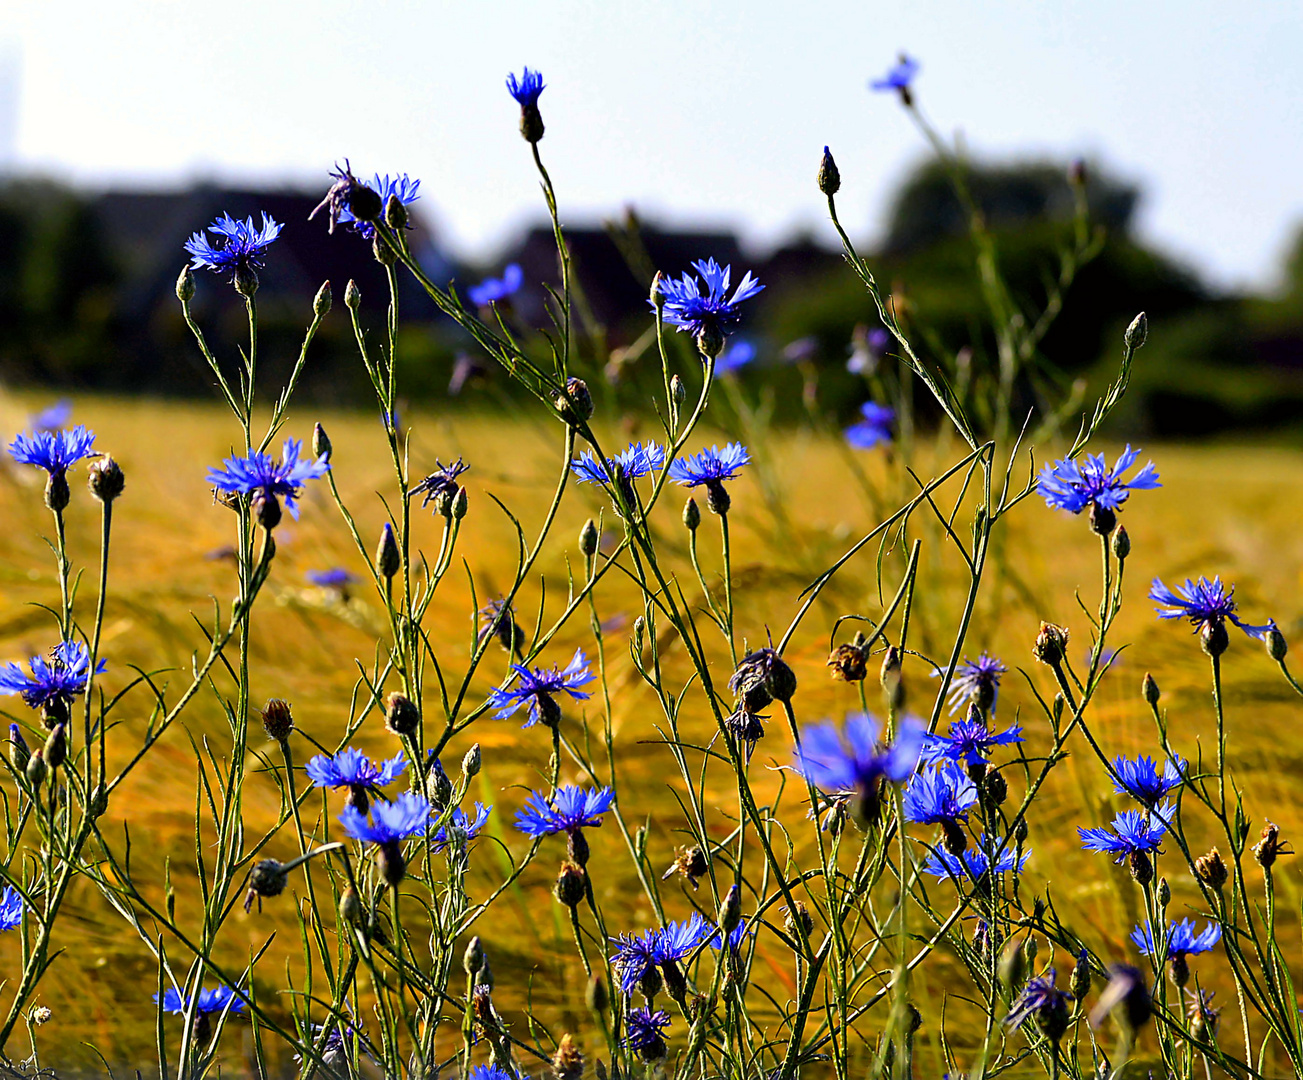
{"x": 1227, "y": 509}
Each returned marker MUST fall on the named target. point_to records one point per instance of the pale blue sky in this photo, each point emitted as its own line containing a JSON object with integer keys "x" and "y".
{"x": 694, "y": 112}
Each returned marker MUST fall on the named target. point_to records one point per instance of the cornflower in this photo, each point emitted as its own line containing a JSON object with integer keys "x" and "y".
{"x": 335, "y": 578}
{"x": 1207, "y": 604}
{"x": 977, "y": 681}
{"x": 441, "y": 485}
{"x": 55, "y": 452}
{"x": 1134, "y": 835}
{"x": 571, "y": 810}
{"x": 206, "y": 1003}
{"x": 11, "y": 908}
{"x": 1045, "y": 1003}
{"x": 639, "y": 460}
{"x": 1067, "y": 485}
{"x": 968, "y": 740}
{"x": 268, "y": 480}
{"x": 898, "y": 78}
{"x": 460, "y": 827}
{"x": 942, "y": 795}
{"x": 238, "y": 248}
{"x": 494, "y": 290}
{"x": 52, "y": 417}
{"x": 645, "y": 1033}
{"x": 1143, "y": 781}
{"x": 537, "y": 687}
{"x": 709, "y": 314}
{"x": 352, "y": 769}
{"x": 975, "y": 863}
{"x": 709, "y": 469}
{"x": 737, "y": 356}
{"x": 391, "y": 823}
{"x": 1182, "y": 943}
{"x": 54, "y": 680}
{"x": 851, "y": 762}
{"x": 526, "y": 90}
{"x": 400, "y": 186}
{"x": 873, "y": 428}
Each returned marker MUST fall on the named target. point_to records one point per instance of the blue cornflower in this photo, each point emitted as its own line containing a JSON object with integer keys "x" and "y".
{"x": 53, "y": 417}
{"x": 1207, "y": 604}
{"x": 1142, "y": 779}
{"x": 460, "y": 827}
{"x": 975, "y": 862}
{"x": 851, "y": 762}
{"x": 334, "y": 578}
{"x": 495, "y": 290}
{"x": 635, "y": 955}
{"x": 676, "y": 940}
{"x": 740, "y": 353}
{"x": 53, "y": 451}
{"x": 968, "y": 741}
{"x": 1065, "y": 485}
{"x": 1044, "y": 1002}
{"x": 734, "y": 938}
{"x": 875, "y": 428}
{"x": 390, "y": 822}
{"x": 1133, "y": 834}
{"x": 239, "y": 248}
{"x": 867, "y": 348}
{"x": 263, "y": 476}
{"x": 400, "y": 186}
{"x": 11, "y": 908}
{"x": 205, "y": 1003}
{"x": 527, "y": 88}
{"x": 490, "y": 1072}
{"x": 940, "y": 795}
{"x": 898, "y": 78}
{"x": 711, "y": 466}
{"x": 54, "y": 680}
{"x": 571, "y": 809}
{"x": 537, "y": 687}
{"x": 1181, "y": 941}
{"x": 641, "y": 459}
{"x": 707, "y": 315}
{"x": 349, "y": 199}
{"x": 710, "y": 469}
{"x": 441, "y": 485}
{"x": 977, "y": 681}
{"x": 352, "y": 769}
{"x": 646, "y": 1033}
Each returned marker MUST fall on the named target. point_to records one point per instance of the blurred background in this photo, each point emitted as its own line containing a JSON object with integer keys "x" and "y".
{"x": 674, "y": 131}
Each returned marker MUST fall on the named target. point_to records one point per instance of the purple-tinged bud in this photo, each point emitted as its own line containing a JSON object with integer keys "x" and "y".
{"x": 678, "y": 390}
{"x": 19, "y": 752}
{"x": 277, "y": 719}
{"x": 1079, "y": 984}
{"x": 830, "y": 180}
{"x": 36, "y": 770}
{"x": 730, "y": 911}
{"x": 574, "y": 403}
{"x": 1051, "y": 644}
{"x": 322, "y": 301}
{"x": 473, "y": 958}
{"x": 389, "y": 560}
{"x": 1276, "y": 645}
{"x": 402, "y": 717}
{"x": 321, "y": 443}
{"x": 395, "y": 213}
{"x": 268, "y": 878}
{"x": 1164, "y": 892}
{"x": 1141, "y": 867}
{"x": 470, "y": 763}
{"x": 995, "y": 788}
{"x": 245, "y": 281}
{"x": 106, "y": 479}
{"x": 657, "y": 297}
{"x": 460, "y": 504}
{"x": 710, "y": 340}
{"x": 352, "y": 295}
{"x": 392, "y": 862}
{"x": 56, "y": 748}
{"x": 267, "y": 510}
{"x": 57, "y": 492}
{"x": 1214, "y": 639}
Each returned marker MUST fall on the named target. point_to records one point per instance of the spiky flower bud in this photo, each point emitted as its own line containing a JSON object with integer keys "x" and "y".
{"x": 56, "y": 747}
{"x": 321, "y": 443}
{"x": 1149, "y": 689}
{"x": 389, "y": 559}
{"x": 571, "y": 884}
{"x": 830, "y": 180}
{"x": 1214, "y": 639}
{"x": 710, "y": 340}
{"x": 36, "y": 769}
{"x": 105, "y": 479}
{"x": 1164, "y": 892}
{"x": 460, "y": 504}
{"x": 849, "y": 661}
{"x": 185, "y": 285}
{"x": 1210, "y": 869}
{"x": 588, "y": 539}
{"x": 322, "y": 302}
{"x": 395, "y": 213}
{"x": 277, "y": 719}
{"x": 995, "y": 788}
{"x": 1030, "y": 950}
{"x": 402, "y": 717}
{"x": 574, "y": 404}
{"x": 470, "y": 763}
{"x": 268, "y": 878}
{"x": 1141, "y": 867}
{"x": 99, "y": 801}
{"x": 1137, "y": 332}
{"x": 1276, "y": 644}
{"x": 691, "y": 514}
{"x": 352, "y": 295}
{"x": 1102, "y": 520}
{"x": 19, "y": 752}
{"x": 1051, "y": 644}
{"x": 473, "y": 958}
{"x": 730, "y": 911}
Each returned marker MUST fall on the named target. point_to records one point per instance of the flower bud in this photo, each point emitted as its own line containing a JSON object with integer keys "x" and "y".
{"x": 1210, "y": 869}
{"x": 574, "y": 404}
{"x": 691, "y": 514}
{"x": 639, "y": 631}
{"x": 245, "y": 281}
{"x": 460, "y": 504}
{"x": 996, "y": 788}
{"x": 1121, "y": 543}
{"x": 1164, "y": 892}
{"x": 1102, "y": 520}
{"x": 1265, "y": 851}
{"x": 36, "y": 769}
{"x": 913, "y": 1018}
{"x": 277, "y": 720}
{"x": 800, "y": 920}
{"x": 268, "y": 878}
{"x": 1051, "y": 644}
{"x": 321, "y": 443}
{"x": 402, "y": 717}
{"x": 99, "y": 801}
{"x": 57, "y": 492}
{"x": 588, "y": 538}
{"x": 1274, "y": 640}
{"x": 105, "y": 479}
{"x": 1030, "y": 950}
{"x": 678, "y": 390}
{"x": 322, "y": 301}
{"x": 383, "y": 253}
{"x": 185, "y": 285}
{"x": 392, "y": 862}
{"x": 571, "y": 884}
{"x": 657, "y": 297}
{"x": 389, "y": 559}
{"x": 473, "y": 958}
{"x": 1060, "y": 703}
{"x": 849, "y": 662}
{"x": 531, "y": 123}
{"x": 438, "y": 788}
{"x": 56, "y": 747}
{"x": 1149, "y": 689}
{"x": 352, "y": 295}
{"x": 1013, "y": 965}
{"x": 1079, "y": 985}
{"x": 730, "y": 911}
{"x": 1141, "y": 867}
{"x": 19, "y": 752}
{"x": 710, "y": 340}
{"x": 595, "y": 996}
{"x": 395, "y": 213}
{"x": 1137, "y": 331}
{"x": 830, "y": 180}
{"x": 41, "y": 1015}
{"x": 1020, "y": 831}
{"x": 470, "y": 763}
